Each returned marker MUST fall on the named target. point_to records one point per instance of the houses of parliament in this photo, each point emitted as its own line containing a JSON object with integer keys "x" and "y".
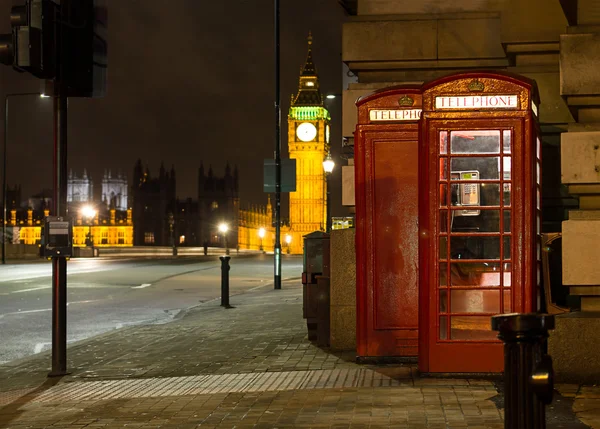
{"x": 148, "y": 212}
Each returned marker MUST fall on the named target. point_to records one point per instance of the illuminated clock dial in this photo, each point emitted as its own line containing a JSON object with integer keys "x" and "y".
{"x": 306, "y": 131}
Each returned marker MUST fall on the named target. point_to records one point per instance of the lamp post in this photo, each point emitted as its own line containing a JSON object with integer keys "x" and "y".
{"x": 328, "y": 166}
{"x": 4, "y": 185}
{"x": 223, "y": 228}
{"x": 261, "y": 234}
{"x": 89, "y": 212}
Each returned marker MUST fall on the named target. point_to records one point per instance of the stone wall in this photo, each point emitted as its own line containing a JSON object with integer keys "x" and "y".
{"x": 343, "y": 290}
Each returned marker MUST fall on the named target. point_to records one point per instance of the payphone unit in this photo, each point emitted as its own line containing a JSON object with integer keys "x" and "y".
{"x": 58, "y": 237}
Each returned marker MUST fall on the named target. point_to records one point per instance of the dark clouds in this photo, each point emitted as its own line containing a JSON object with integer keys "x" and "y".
{"x": 189, "y": 81}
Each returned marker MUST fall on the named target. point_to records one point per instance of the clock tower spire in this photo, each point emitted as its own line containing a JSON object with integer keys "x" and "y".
{"x": 308, "y": 144}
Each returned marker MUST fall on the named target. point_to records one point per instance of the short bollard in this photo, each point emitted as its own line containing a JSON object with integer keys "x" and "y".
{"x": 528, "y": 374}
{"x": 225, "y": 281}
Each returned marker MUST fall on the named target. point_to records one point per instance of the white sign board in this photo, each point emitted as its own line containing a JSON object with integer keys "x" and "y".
{"x": 477, "y": 102}
{"x": 379, "y": 115}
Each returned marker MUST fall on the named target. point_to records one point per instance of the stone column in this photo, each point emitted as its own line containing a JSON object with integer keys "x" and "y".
{"x": 580, "y": 154}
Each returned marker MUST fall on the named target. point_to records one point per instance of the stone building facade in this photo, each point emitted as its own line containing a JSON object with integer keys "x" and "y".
{"x": 555, "y": 43}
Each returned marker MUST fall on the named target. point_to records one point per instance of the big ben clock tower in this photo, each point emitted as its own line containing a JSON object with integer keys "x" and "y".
{"x": 308, "y": 144}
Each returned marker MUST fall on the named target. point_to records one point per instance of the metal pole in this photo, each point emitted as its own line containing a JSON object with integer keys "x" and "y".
{"x": 225, "y": 281}
{"x": 59, "y": 264}
{"x": 528, "y": 374}
{"x": 277, "y": 250}
{"x": 328, "y": 202}
{"x": 4, "y": 190}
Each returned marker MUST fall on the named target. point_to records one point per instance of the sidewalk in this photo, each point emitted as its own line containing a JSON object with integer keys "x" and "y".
{"x": 246, "y": 367}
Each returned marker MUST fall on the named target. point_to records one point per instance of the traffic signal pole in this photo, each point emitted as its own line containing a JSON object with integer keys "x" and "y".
{"x": 277, "y": 249}
{"x": 59, "y": 263}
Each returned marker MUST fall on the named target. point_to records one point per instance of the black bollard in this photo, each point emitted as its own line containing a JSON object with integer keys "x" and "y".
{"x": 225, "y": 281}
{"x": 528, "y": 375}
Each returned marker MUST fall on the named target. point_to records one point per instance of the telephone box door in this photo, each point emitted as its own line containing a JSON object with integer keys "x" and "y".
{"x": 477, "y": 223}
{"x": 386, "y": 165}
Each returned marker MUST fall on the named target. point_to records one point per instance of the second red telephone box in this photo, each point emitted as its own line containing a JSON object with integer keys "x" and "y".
{"x": 386, "y": 183}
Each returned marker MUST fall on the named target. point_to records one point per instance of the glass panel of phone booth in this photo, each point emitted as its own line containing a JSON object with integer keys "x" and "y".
{"x": 474, "y": 264}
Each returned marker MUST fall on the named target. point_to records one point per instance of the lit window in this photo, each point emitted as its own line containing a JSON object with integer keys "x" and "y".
{"x": 310, "y": 84}
{"x": 149, "y": 238}
{"x": 182, "y": 239}
{"x": 214, "y": 205}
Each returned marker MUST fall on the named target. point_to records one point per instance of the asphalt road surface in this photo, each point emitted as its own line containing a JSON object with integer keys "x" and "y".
{"x": 108, "y": 294}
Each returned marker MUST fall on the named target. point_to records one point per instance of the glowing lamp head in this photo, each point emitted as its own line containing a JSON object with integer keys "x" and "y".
{"x": 331, "y": 96}
{"x": 88, "y": 211}
{"x": 288, "y": 239}
{"x": 261, "y": 233}
{"x": 223, "y": 228}
{"x": 328, "y": 164}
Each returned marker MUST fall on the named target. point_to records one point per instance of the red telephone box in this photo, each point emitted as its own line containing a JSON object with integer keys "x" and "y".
{"x": 386, "y": 189}
{"x": 479, "y": 216}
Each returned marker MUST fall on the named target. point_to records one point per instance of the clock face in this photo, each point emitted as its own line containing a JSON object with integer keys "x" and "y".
{"x": 306, "y": 131}
{"x": 327, "y": 133}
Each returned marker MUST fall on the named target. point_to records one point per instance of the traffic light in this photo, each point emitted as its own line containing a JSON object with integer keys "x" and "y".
{"x": 31, "y": 45}
{"x": 64, "y": 42}
{"x": 85, "y": 47}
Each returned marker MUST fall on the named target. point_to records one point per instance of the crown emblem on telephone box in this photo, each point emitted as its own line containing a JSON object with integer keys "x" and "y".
{"x": 406, "y": 101}
{"x": 476, "y": 86}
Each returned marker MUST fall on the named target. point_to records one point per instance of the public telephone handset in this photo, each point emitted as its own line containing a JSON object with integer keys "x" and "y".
{"x": 465, "y": 194}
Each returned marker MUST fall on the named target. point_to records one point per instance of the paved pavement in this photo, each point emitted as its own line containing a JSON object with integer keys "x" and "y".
{"x": 246, "y": 367}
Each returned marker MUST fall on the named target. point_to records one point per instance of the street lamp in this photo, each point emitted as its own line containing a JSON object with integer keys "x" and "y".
{"x": 328, "y": 166}
{"x": 288, "y": 240}
{"x": 89, "y": 212}
{"x": 223, "y": 228}
{"x": 4, "y": 189}
{"x": 261, "y": 234}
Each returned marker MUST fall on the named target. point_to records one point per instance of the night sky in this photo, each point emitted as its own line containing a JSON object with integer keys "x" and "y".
{"x": 189, "y": 81}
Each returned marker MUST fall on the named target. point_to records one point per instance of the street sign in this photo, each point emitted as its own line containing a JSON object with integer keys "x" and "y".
{"x": 288, "y": 175}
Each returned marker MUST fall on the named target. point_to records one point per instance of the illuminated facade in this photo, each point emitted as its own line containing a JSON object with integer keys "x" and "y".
{"x": 80, "y": 189}
{"x": 114, "y": 191}
{"x": 114, "y": 230}
{"x": 308, "y": 144}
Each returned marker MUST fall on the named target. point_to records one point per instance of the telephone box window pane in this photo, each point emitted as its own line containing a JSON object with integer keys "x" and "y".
{"x": 443, "y": 248}
{"x": 538, "y": 148}
{"x": 443, "y": 141}
{"x": 506, "y": 168}
{"x": 539, "y": 176}
{"x": 443, "y": 195}
{"x": 480, "y": 141}
{"x": 443, "y": 274}
{"x": 475, "y": 168}
{"x": 475, "y": 301}
{"x": 506, "y": 141}
{"x": 475, "y": 247}
{"x": 506, "y": 194}
{"x": 506, "y": 249}
{"x": 443, "y": 220}
{"x": 443, "y": 328}
{"x": 507, "y": 274}
{"x": 507, "y": 301}
{"x": 443, "y": 301}
{"x": 474, "y": 328}
{"x": 443, "y": 169}
{"x": 480, "y": 274}
{"x": 475, "y": 220}
{"x": 538, "y": 198}
{"x": 506, "y": 221}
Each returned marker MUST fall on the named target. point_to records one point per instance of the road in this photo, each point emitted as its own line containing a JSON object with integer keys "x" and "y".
{"x": 106, "y": 294}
